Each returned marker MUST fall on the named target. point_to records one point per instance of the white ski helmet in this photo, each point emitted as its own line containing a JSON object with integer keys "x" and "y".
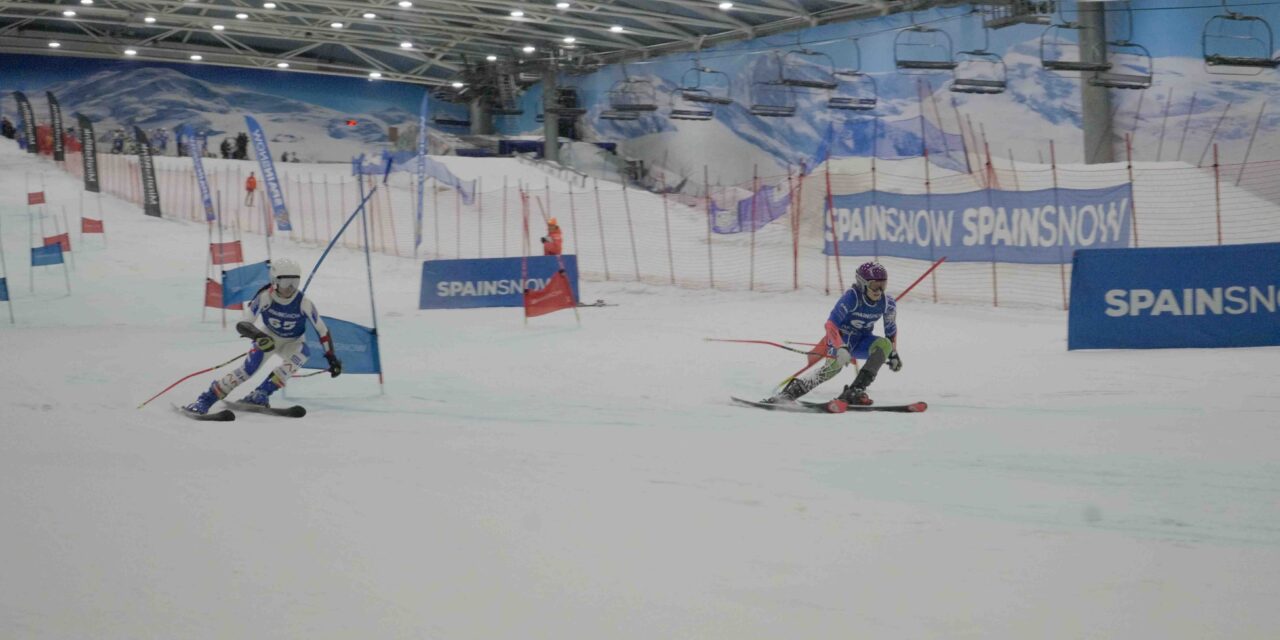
{"x": 286, "y": 277}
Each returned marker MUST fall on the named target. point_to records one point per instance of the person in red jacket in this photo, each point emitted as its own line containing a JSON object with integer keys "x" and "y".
{"x": 554, "y": 240}
{"x": 250, "y": 186}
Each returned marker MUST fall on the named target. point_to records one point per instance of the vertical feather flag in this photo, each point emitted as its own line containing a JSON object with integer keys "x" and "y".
{"x": 269, "y": 177}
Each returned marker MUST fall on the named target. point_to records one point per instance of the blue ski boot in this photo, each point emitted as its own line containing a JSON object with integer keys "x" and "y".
{"x": 262, "y": 395}
{"x": 202, "y": 403}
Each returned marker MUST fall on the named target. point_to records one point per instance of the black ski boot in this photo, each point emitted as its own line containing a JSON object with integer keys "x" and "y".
{"x": 856, "y": 393}
{"x": 793, "y": 389}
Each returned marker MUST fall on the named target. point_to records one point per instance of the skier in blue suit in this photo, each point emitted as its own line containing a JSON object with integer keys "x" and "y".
{"x": 850, "y": 335}
{"x": 285, "y": 313}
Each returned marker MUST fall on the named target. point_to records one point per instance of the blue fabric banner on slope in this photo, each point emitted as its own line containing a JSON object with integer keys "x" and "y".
{"x": 198, "y": 139}
{"x": 1030, "y": 227}
{"x": 269, "y": 177}
{"x": 1176, "y": 297}
{"x": 4, "y": 289}
{"x": 488, "y": 282}
{"x": 47, "y": 255}
{"x": 355, "y": 345}
{"x": 400, "y": 161}
{"x": 242, "y": 283}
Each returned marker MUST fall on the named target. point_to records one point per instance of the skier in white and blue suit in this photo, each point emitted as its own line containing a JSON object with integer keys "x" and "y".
{"x": 850, "y": 335}
{"x": 285, "y": 313}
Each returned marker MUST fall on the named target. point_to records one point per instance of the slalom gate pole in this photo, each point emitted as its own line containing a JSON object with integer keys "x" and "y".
{"x": 368, "y": 263}
{"x": 191, "y": 375}
{"x": 352, "y": 217}
{"x": 922, "y": 277}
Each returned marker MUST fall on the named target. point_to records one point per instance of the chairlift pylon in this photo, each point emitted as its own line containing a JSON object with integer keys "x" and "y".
{"x": 1131, "y": 63}
{"x": 921, "y": 49}
{"x": 630, "y": 94}
{"x": 1237, "y": 44}
{"x": 979, "y": 70}
{"x": 1060, "y": 48}
{"x": 771, "y": 97}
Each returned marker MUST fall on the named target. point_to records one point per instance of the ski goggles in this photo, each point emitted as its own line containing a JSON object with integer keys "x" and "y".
{"x": 287, "y": 286}
{"x": 876, "y": 285}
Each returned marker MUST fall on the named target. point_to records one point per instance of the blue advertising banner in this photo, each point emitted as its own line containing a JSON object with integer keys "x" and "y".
{"x": 197, "y": 162}
{"x": 242, "y": 283}
{"x": 489, "y": 282}
{"x": 47, "y": 255}
{"x": 269, "y": 177}
{"x": 356, "y": 346}
{"x": 1178, "y": 297}
{"x": 4, "y": 289}
{"x": 1030, "y": 227}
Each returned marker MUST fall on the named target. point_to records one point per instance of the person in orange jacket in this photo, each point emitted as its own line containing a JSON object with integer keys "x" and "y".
{"x": 250, "y": 186}
{"x": 554, "y": 240}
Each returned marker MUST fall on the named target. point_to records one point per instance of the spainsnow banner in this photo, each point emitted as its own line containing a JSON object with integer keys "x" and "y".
{"x": 89, "y": 148}
{"x": 147, "y": 167}
{"x": 1175, "y": 297}
{"x": 489, "y": 282}
{"x": 269, "y": 177}
{"x": 198, "y": 163}
{"x": 55, "y": 114}
{"x": 355, "y": 345}
{"x": 28, "y": 121}
{"x": 1029, "y": 227}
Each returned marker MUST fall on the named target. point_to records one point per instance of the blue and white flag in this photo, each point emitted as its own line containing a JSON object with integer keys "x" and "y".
{"x": 355, "y": 345}
{"x": 243, "y": 283}
{"x": 274, "y": 193}
{"x": 1029, "y": 227}
{"x": 46, "y": 256}
{"x": 422, "y": 165}
{"x": 4, "y": 290}
{"x": 194, "y": 151}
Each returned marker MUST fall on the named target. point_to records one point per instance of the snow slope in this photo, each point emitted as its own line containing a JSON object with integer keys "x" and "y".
{"x": 564, "y": 481}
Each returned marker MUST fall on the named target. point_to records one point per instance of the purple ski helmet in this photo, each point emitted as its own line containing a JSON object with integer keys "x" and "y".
{"x": 871, "y": 271}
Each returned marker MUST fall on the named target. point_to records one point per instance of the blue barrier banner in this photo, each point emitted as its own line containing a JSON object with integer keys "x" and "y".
{"x": 4, "y": 289}
{"x": 356, "y": 346}
{"x": 1179, "y": 297}
{"x": 45, "y": 256}
{"x": 489, "y": 282}
{"x": 751, "y": 213}
{"x": 195, "y": 144}
{"x": 242, "y": 283}
{"x": 269, "y": 177}
{"x": 1029, "y": 227}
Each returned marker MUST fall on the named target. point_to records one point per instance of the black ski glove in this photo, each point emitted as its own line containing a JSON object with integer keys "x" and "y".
{"x": 895, "y": 363}
{"x": 335, "y": 365}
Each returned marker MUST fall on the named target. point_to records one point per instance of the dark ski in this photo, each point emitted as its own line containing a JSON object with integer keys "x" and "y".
{"x": 296, "y": 411}
{"x": 216, "y": 416}
{"x": 597, "y": 303}
{"x": 830, "y": 407}
{"x": 781, "y": 406}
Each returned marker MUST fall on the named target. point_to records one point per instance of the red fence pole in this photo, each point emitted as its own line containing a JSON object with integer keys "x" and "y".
{"x": 604, "y": 252}
{"x": 1062, "y": 267}
{"x": 706, "y": 190}
{"x": 1133, "y": 207}
{"x": 1217, "y": 193}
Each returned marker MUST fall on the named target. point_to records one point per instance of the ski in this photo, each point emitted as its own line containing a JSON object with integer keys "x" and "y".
{"x": 781, "y": 406}
{"x": 597, "y": 303}
{"x": 832, "y": 406}
{"x": 296, "y": 411}
{"x": 217, "y": 416}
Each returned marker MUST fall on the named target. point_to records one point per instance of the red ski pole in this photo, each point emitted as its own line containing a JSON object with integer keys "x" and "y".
{"x": 192, "y": 375}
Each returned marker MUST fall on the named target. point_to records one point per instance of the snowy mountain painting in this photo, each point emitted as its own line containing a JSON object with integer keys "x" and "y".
{"x": 160, "y": 96}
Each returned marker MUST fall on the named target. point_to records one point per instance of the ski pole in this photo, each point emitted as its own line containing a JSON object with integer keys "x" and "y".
{"x": 772, "y": 344}
{"x": 186, "y": 377}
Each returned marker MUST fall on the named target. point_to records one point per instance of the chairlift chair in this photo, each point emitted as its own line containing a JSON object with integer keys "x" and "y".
{"x": 856, "y": 91}
{"x": 633, "y": 95}
{"x": 979, "y": 70}
{"x": 770, "y": 96}
{"x": 1238, "y": 44}
{"x": 808, "y": 69}
{"x": 614, "y": 114}
{"x": 705, "y": 86}
{"x": 445, "y": 120}
{"x": 566, "y": 105}
{"x": 918, "y": 49}
{"x": 682, "y": 108}
{"x": 1056, "y": 45}
{"x": 1136, "y": 63}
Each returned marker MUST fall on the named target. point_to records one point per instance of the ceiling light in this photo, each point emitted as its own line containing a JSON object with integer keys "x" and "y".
{"x": 562, "y": 5}
{"x": 148, "y": 19}
{"x": 86, "y": 1}
{"x": 268, "y": 5}
{"x": 457, "y": 85}
{"x": 69, "y": 14}
{"x": 406, "y": 45}
{"x": 219, "y": 27}
{"x": 517, "y": 14}
{"x": 197, "y": 57}
{"x": 336, "y": 25}
{"x": 725, "y": 6}
{"x": 370, "y": 16}
{"x": 569, "y": 39}
{"x": 405, "y": 4}
{"x": 375, "y": 74}
{"x": 617, "y": 28}
{"x": 242, "y": 16}
{"x": 55, "y": 45}
{"x": 528, "y": 48}
{"x": 131, "y": 52}
{"x": 491, "y": 58}
{"x": 282, "y": 65}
